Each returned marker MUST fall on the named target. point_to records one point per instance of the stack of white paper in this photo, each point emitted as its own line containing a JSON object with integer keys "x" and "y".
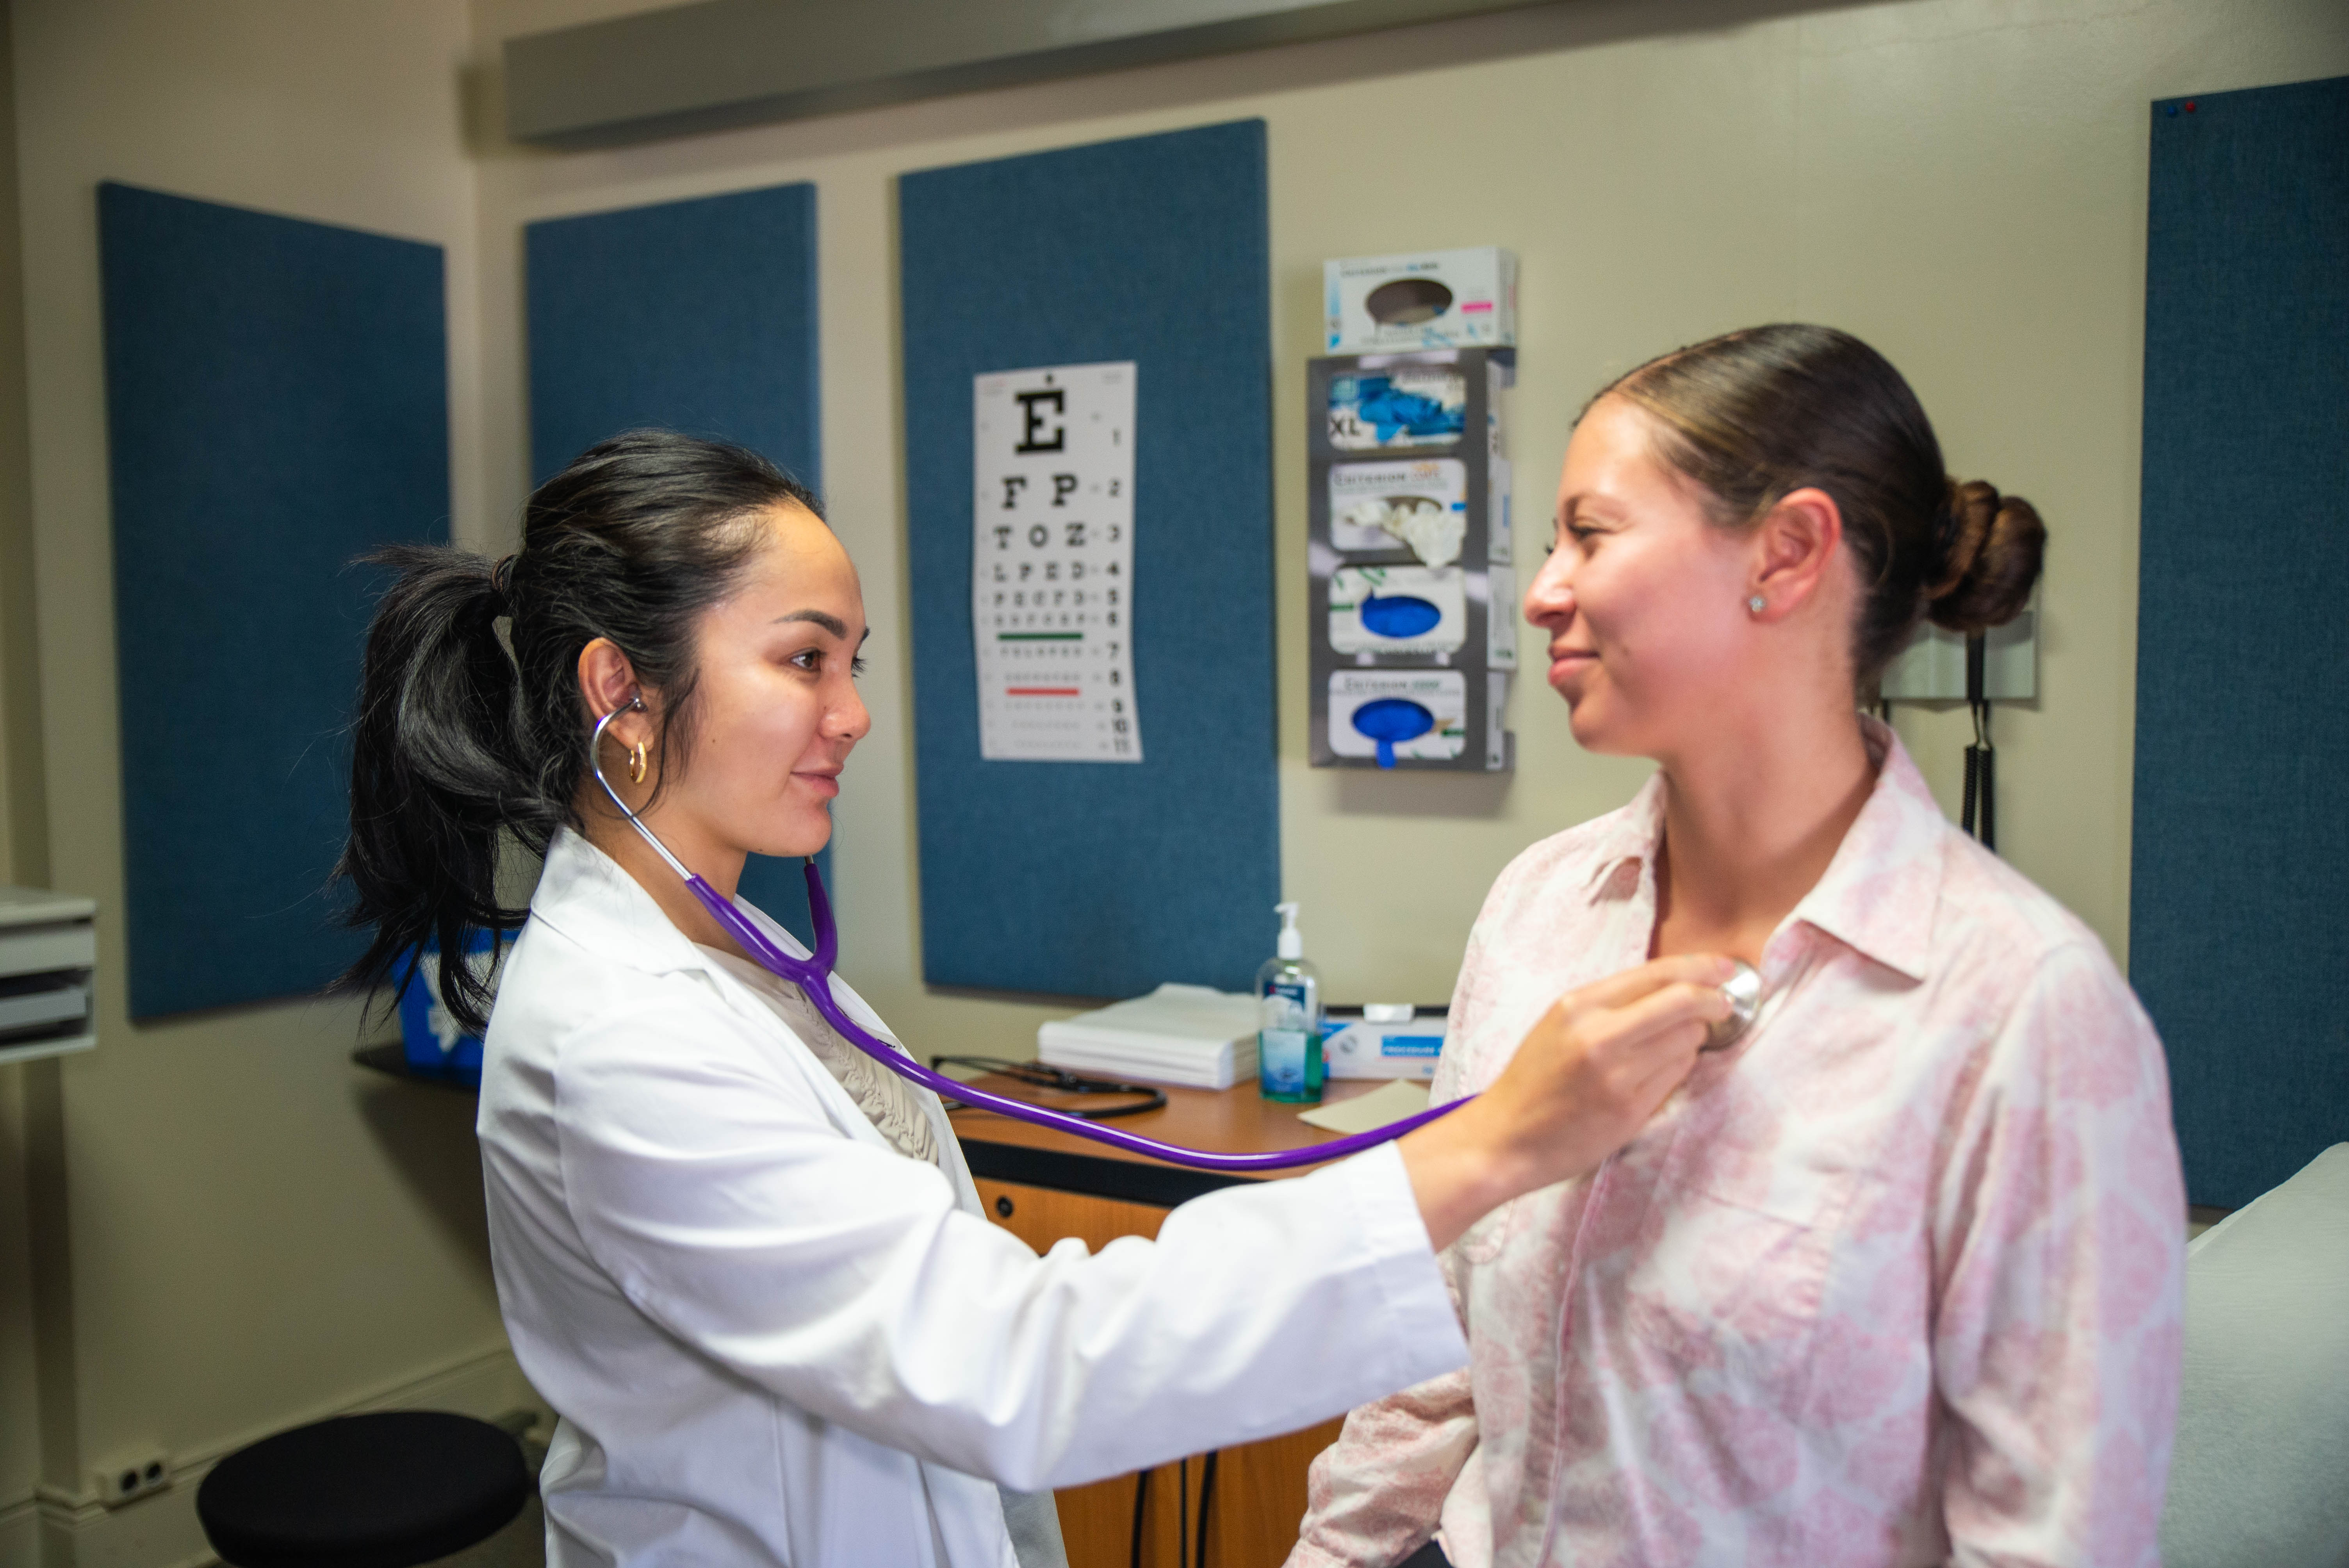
{"x": 1194, "y": 1035}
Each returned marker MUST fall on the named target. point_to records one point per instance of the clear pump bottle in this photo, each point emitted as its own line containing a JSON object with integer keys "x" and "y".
{"x": 1288, "y": 1029}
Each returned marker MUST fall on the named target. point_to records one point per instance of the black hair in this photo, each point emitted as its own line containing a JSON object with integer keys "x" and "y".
{"x": 458, "y": 742}
{"x": 1756, "y": 414}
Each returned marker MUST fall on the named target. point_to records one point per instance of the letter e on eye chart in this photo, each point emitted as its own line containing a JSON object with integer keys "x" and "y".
{"x": 1052, "y": 578}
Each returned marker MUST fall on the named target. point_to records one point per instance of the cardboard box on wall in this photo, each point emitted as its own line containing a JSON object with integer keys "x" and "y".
{"x": 1432, "y": 299}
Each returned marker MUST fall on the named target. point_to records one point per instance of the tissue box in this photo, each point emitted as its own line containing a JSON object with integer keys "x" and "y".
{"x": 1434, "y": 299}
{"x": 1386, "y": 1048}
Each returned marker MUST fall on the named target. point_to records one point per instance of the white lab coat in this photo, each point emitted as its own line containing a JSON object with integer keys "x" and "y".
{"x": 773, "y": 1339}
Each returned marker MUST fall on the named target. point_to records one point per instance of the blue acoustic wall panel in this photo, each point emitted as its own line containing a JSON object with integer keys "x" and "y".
{"x": 1090, "y": 879}
{"x": 2237, "y": 942}
{"x": 278, "y": 405}
{"x": 696, "y": 316}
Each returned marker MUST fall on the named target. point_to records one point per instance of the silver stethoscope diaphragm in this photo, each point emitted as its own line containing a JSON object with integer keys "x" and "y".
{"x": 1742, "y": 990}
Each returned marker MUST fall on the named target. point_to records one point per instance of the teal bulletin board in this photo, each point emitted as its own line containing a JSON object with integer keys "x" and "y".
{"x": 698, "y": 316}
{"x": 1081, "y": 878}
{"x": 278, "y": 405}
{"x": 2237, "y": 942}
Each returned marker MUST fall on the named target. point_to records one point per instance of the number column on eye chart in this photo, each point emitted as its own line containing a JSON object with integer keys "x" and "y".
{"x": 1052, "y": 564}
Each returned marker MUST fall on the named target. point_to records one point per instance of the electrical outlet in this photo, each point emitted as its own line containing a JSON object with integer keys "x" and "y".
{"x": 131, "y": 1477}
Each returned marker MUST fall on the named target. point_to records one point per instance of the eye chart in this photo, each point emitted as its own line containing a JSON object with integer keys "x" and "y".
{"x": 1051, "y": 586}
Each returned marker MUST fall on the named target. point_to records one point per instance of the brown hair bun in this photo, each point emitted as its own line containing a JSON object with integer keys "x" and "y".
{"x": 1990, "y": 547}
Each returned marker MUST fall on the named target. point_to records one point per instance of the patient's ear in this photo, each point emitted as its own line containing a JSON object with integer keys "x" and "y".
{"x": 1793, "y": 546}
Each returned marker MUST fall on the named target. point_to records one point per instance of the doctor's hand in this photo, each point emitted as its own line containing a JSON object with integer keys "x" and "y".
{"x": 1584, "y": 1081}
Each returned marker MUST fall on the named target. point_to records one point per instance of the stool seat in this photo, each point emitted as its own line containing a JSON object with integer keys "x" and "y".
{"x": 381, "y": 1490}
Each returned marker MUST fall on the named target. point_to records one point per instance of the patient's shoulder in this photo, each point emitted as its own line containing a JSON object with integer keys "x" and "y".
{"x": 1992, "y": 913}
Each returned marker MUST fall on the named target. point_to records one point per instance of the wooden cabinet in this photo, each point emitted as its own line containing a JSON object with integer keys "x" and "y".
{"x": 1041, "y": 1216}
{"x": 1259, "y": 1487}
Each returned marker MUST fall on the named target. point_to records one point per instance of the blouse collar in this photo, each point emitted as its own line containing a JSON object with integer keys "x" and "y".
{"x": 1881, "y": 891}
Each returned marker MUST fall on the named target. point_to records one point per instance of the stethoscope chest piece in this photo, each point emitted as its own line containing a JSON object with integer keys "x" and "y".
{"x": 1744, "y": 993}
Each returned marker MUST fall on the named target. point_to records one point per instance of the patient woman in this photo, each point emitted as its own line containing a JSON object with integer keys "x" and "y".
{"x": 1896, "y": 1278}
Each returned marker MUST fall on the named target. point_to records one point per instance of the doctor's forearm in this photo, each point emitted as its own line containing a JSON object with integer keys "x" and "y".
{"x": 1457, "y": 1174}
{"x": 1582, "y": 1084}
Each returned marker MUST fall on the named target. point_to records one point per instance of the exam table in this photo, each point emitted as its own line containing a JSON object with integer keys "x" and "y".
{"x": 2261, "y": 1476}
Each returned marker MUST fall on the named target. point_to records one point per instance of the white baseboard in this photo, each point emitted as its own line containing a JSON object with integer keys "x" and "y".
{"x": 20, "y": 1536}
{"x": 161, "y": 1532}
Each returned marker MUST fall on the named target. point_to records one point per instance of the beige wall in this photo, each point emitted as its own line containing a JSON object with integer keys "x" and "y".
{"x": 1961, "y": 182}
{"x": 19, "y": 797}
{"x": 247, "y": 1230}
{"x": 20, "y": 1432}
{"x": 23, "y": 837}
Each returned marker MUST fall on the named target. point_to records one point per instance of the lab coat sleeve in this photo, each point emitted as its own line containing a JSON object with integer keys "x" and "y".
{"x": 711, "y": 1189}
{"x": 2058, "y": 1235}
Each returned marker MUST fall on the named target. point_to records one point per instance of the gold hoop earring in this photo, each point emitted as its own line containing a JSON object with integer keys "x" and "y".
{"x": 637, "y": 763}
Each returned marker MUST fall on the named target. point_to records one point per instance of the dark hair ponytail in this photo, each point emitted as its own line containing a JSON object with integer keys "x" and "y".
{"x": 458, "y": 743}
{"x": 436, "y": 769}
{"x": 1756, "y": 414}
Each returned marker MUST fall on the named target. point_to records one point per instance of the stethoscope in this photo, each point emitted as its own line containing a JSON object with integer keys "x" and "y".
{"x": 1144, "y": 1098}
{"x": 813, "y": 975}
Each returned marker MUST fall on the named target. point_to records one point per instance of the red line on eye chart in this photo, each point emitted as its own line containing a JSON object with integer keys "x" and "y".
{"x": 1043, "y": 691}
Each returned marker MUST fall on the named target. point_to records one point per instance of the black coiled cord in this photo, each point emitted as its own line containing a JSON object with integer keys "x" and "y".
{"x": 1184, "y": 1555}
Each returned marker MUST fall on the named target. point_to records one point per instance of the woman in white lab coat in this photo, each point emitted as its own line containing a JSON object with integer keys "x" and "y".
{"x": 745, "y": 1264}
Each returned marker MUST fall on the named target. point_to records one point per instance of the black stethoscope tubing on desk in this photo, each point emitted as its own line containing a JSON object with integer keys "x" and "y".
{"x": 1052, "y": 1078}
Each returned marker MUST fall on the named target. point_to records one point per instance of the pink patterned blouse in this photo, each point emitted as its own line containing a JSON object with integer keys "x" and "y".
{"x": 1895, "y": 1280}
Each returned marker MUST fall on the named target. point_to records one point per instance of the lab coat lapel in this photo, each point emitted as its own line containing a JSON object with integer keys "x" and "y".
{"x": 942, "y": 1133}
{"x": 586, "y": 895}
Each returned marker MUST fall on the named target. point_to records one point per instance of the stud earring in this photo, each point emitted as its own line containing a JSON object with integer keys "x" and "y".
{"x": 1757, "y": 604}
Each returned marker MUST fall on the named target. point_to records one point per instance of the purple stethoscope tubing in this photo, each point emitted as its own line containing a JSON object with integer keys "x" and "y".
{"x": 813, "y": 975}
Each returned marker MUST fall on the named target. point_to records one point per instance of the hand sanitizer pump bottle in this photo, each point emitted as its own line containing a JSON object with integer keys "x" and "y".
{"x": 1289, "y": 1027}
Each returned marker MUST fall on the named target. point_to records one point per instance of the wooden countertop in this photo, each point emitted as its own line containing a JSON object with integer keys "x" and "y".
{"x": 1234, "y": 1120}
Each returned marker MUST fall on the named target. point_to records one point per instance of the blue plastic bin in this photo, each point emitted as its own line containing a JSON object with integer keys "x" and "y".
{"x": 434, "y": 1044}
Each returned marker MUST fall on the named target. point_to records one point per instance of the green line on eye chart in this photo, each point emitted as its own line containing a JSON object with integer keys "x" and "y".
{"x": 1039, "y": 636}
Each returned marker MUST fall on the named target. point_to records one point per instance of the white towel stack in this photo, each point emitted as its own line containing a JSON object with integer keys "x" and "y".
{"x": 1194, "y": 1035}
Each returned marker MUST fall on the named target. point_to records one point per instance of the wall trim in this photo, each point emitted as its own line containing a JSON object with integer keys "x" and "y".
{"x": 20, "y": 1533}
{"x": 697, "y": 67}
{"x": 76, "y": 1530}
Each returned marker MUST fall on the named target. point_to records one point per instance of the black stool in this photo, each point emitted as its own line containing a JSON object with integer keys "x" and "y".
{"x": 384, "y": 1491}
